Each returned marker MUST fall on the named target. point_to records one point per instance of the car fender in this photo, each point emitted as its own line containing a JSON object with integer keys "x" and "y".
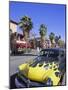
{"x": 22, "y": 66}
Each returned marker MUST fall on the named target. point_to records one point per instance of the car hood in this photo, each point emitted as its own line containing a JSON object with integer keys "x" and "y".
{"x": 35, "y": 73}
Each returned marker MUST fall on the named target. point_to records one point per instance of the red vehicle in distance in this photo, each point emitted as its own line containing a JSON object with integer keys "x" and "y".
{"x": 20, "y": 46}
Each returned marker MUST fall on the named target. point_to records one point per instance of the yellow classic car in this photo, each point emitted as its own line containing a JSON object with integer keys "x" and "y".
{"x": 42, "y": 71}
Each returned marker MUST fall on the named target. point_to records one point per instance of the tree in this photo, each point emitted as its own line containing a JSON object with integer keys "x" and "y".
{"x": 26, "y": 25}
{"x": 52, "y": 37}
{"x": 43, "y": 32}
{"x": 61, "y": 43}
{"x": 57, "y": 39}
{"x": 13, "y": 38}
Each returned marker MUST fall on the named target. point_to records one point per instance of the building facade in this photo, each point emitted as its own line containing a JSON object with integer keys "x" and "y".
{"x": 13, "y": 26}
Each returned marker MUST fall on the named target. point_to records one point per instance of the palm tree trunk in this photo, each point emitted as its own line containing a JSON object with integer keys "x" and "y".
{"x": 43, "y": 41}
{"x": 26, "y": 35}
{"x": 52, "y": 43}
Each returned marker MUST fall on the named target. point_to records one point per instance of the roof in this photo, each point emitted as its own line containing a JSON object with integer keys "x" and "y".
{"x": 14, "y": 22}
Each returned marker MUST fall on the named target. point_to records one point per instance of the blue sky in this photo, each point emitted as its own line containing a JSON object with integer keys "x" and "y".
{"x": 52, "y": 15}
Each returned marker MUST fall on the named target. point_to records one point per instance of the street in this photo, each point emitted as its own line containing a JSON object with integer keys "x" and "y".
{"x": 15, "y": 61}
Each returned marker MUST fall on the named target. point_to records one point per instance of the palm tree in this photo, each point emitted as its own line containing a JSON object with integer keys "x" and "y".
{"x": 52, "y": 37}
{"x": 43, "y": 31}
{"x": 26, "y": 25}
{"x": 61, "y": 43}
{"x": 57, "y": 39}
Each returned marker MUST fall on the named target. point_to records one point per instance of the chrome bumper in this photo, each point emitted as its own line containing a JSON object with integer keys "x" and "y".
{"x": 23, "y": 82}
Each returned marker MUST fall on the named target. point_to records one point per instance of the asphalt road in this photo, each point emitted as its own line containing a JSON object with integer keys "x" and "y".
{"x": 15, "y": 61}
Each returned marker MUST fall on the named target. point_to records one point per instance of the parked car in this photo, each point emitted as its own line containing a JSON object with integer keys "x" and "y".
{"x": 45, "y": 70}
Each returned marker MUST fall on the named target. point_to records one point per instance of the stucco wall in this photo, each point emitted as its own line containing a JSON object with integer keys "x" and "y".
{"x": 13, "y": 27}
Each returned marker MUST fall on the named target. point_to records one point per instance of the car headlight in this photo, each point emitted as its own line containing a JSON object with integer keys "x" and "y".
{"x": 49, "y": 82}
